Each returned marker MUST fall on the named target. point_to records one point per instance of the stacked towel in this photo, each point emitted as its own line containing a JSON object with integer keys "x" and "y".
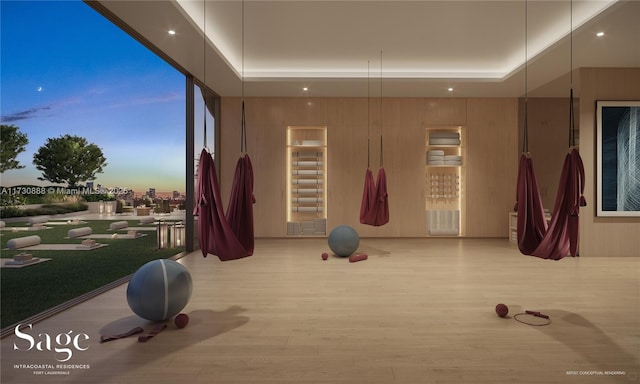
{"x": 435, "y": 157}
{"x": 444, "y": 138}
{"x": 452, "y": 160}
{"x": 89, "y": 243}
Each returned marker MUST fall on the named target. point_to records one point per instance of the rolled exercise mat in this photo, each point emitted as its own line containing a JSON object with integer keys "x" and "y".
{"x": 22, "y": 242}
{"x": 38, "y": 219}
{"x": 118, "y": 225}
{"x": 77, "y": 232}
{"x": 147, "y": 219}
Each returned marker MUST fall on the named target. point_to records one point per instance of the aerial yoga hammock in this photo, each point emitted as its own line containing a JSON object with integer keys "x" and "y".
{"x": 227, "y": 236}
{"x": 560, "y": 237}
{"x": 374, "y": 209}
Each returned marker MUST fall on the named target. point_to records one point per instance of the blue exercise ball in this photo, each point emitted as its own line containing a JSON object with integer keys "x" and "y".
{"x": 159, "y": 290}
{"x": 343, "y": 240}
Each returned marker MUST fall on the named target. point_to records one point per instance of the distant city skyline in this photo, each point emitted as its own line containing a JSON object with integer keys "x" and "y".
{"x": 66, "y": 69}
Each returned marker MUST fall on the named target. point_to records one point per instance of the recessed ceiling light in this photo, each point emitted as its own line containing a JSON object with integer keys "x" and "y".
{"x": 600, "y": 34}
{"x": 305, "y": 88}
{"x": 171, "y": 32}
{"x": 450, "y": 89}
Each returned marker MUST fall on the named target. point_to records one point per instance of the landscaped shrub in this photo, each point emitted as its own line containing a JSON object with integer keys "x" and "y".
{"x": 98, "y": 197}
{"x": 46, "y": 209}
{"x": 12, "y": 211}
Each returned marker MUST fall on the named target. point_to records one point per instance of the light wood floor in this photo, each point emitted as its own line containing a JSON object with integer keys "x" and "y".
{"x": 417, "y": 311}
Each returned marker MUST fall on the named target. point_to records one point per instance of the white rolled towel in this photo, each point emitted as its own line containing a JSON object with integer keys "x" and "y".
{"x": 306, "y": 172}
{"x": 306, "y": 190}
{"x": 306, "y": 181}
{"x": 306, "y": 209}
{"x": 307, "y": 163}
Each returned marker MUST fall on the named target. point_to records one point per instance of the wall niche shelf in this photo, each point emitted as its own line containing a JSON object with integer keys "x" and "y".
{"x": 306, "y": 181}
{"x": 444, "y": 180}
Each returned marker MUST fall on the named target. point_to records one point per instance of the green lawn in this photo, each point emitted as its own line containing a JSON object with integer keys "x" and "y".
{"x": 30, "y": 290}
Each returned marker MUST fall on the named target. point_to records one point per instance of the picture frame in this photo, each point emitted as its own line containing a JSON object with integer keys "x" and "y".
{"x": 618, "y": 158}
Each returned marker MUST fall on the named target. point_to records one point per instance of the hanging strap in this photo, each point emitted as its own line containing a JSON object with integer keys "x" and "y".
{"x": 204, "y": 133}
{"x": 572, "y": 134}
{"x": 204, "y": 73}
{"x": 368, "y": 114}
{"x": 381, "y": 162}
{"x": 572, "y": 137}
{"x": 525, "y": 141}
{"x": 381, "y": 152}
{"x": 243, "y": 134}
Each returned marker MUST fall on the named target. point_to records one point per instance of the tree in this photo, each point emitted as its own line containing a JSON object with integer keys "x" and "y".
{"x": 69, "y": 159}
{"x": 12, "y": 143}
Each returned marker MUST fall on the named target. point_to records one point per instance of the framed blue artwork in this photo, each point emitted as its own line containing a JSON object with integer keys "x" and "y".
{"x": 618, "y": 158}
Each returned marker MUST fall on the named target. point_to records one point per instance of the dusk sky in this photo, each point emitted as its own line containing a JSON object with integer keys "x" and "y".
{"x": 65, "y": 69}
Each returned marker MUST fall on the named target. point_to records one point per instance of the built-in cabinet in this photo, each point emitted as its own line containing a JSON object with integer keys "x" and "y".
{"x": 444, "y": 178}
{"x": 306, "y": 181}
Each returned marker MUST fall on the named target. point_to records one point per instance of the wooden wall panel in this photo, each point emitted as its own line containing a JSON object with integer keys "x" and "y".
{"x": 548, "y": 143}
{"x": 403, "y": 129}
{"x": 346, "y": 122}
{"x": 492, "y": 163}
{"x": 445, "y": 111}
{"x": 404, "y": 157}
{"x": 604, "y": 236}
{"x": 266, "y": 146}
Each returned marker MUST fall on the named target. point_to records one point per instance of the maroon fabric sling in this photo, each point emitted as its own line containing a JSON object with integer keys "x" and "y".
{"x": 532, "y": 224}
{"x": 374, "y": 209}
{"x": 228, "y": 238}
{"x": 368, "y": 205}
{"x": 240, "y": 209}
{"x": 382, "y": 199}
{"x": 561, "y": 237}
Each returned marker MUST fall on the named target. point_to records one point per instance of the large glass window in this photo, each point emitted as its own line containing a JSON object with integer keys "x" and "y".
{"x": 67, "y": 70}
{"x": 72, "y": 79}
